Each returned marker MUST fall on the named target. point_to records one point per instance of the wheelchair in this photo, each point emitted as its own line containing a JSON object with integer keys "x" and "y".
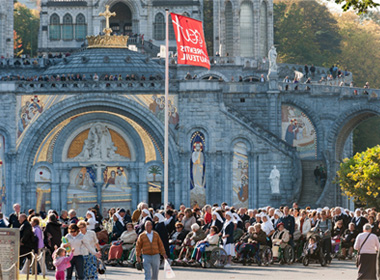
{"x": 266, "y": 255}
{"x": 214, "y": 256}
{"x": 283, "y": 255}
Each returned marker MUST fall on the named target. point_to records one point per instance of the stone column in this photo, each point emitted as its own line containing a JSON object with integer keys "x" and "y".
{"x": 64, "y": 185}
{"x": 31, "y": 199}
{"x": 252, "y": 186}
{"x": 143, "y": 190}
{"x": 273, "y": 114}
{"x": 185, "y": 176}
{"x": 10, "y": 180}
{"x": 55, "y": 196}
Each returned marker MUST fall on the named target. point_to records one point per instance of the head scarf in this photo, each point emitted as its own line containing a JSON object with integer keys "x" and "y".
{"x": 146, "y": 211}
{"x": 161, "y": 218}
{"x": 120, "y": 218}
{"x": 217, "y": 217}
{"x": 92, "y": 214}
{"x": 237, "y": 218}
{"x": 232, "y": 220}
{"x": 278, "y": 213}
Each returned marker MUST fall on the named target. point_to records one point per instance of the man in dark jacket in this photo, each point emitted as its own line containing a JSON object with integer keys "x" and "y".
{"x": 289, "y": 223}
{"x": 169, "y": 221}
{"x": 14, "y": 217}
{"x": 27, "y": 238}
{"x": 73, "y": 217}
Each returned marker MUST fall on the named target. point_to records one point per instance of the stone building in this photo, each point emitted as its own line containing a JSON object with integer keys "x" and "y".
{"x": 73, "y": 143}
{"x": 6, "y": 28}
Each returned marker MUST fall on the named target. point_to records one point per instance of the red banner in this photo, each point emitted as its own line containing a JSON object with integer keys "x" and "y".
{"x": 191, "y": 45}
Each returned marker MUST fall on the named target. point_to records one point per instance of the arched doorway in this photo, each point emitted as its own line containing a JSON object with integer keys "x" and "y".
{"x": 122, "y": 22}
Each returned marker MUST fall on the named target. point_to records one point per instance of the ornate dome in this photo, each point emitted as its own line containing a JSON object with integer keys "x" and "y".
{"x": 107, "y": 61}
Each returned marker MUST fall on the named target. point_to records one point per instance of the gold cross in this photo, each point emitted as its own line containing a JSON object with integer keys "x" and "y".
{"x": 107, "y": 14}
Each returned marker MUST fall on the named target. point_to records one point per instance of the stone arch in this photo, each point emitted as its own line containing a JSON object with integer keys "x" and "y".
{"x": 79, "y": 104}
{"x": 137, "y": 145}
{"x": 135, "y": 6}
{"x": 48, "y": 165}
{"x": 190, "y": 133}
{"x": 345, "y": 124}
{"x": 67, "y": 27}
{"x": 206, "y": 74}
{"x": 54, "y": 27}
{"x": 313, "y": 117}
{"x": 243, "y": 139}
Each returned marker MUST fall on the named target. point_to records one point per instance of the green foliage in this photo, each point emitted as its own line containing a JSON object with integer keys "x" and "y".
{"x": 305, "y": 32}
{"x": 367, "y": 134}
{"x": 360, "y": 6}
{"x": 359, "y": 177}
{"x": 208, "y": 25}
{"x": 26, "y": 24}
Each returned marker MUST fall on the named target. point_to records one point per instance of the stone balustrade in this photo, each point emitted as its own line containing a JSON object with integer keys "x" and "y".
{"x": 328, "y": 90}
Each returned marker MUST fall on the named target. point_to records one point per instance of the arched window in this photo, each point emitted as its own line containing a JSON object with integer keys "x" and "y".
{"x": 54, "y": 28}
{"x": 67, "y": 31}
{"x": 159, "y": 27}
{"x": 263, "y": 30}
{"x": 80, "y": 28}
{"x": 247, "y": 40}
{"x": 229, "y": 23}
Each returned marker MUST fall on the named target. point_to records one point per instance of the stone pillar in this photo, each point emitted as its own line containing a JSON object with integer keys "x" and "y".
{"x": 55, "y": 196}
{"x": 252, "y": 191}
{"x": 143, "y": 191}
{"x": 64, "y": 185}
{"x": 10, "y": 180}
{"x": 256, "y": 185}
{"x": 31, "y": 200}
{"x": 132, "y": 183}
{"x": 99, "y": 186}
{"x": 225, "y": 170}
{"x": 185, "y": 176}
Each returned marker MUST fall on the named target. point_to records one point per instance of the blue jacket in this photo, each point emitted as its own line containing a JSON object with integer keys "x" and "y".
{"x": 2, "y": 223}
{"x": 289, "y": 223}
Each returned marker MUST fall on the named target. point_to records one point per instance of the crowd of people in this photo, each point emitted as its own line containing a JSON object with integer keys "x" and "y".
{"x": 183, "y": 235}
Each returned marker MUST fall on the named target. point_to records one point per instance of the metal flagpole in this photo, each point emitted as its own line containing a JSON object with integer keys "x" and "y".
{"x": 166, "y": 148}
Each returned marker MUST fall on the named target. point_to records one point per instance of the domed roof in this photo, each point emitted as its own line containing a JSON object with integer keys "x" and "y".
{"x": 110, "y": 61}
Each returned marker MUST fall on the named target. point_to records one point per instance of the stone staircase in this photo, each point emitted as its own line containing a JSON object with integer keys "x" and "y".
{"x": 260, "y": 131}
{"x": 310, "y": 191}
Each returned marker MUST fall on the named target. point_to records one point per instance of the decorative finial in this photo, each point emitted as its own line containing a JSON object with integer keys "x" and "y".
{"x": 107, "y": 14}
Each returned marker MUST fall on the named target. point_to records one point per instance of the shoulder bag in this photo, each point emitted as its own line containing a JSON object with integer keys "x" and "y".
{"x": 357, "y": 256}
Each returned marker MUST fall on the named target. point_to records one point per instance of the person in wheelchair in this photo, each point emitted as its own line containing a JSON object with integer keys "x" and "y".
{"x": 212, "y": 239}
{"x": 176, "y": 239}
{"x": 252, "y": 248}
{"x": 125, "y": 243}
{"x": 324, "y": 225}
{"x": 280, "y": 240}
{"x": 239, "y": 246}
{"x": 191, "y": 239}
{"x": 348, "y": 241}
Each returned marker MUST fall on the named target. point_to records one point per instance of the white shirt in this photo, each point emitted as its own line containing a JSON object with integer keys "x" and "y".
{"x": 371, "y": 246}
{"x": 150, "y": 236}
{"x": 90, "y": 239}
{"x": 80, "y": 244}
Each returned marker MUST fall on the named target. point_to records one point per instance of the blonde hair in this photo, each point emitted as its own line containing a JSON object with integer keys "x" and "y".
{"x": 82, "y": 224}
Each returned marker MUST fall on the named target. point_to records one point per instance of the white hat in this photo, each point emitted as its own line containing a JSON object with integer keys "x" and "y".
{"x": 195, "y": 226}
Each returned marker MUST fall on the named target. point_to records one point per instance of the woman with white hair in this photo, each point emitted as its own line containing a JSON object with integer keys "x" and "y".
{"x": 160, "y": 228}
{"x": 228, "y": 237}
{"x": 196, "y": 234}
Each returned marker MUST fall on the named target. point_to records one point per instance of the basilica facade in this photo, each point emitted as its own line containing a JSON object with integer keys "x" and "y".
{"x": 234, "y": 135}
{"x": 6, "y": 28}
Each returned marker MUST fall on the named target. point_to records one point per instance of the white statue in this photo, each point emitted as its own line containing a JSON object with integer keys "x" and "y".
{"x": 99, "y": 146}
{"x": 274, "y": 179}
{"x": 198, "y": 160}
{"x": 272, "y": 55}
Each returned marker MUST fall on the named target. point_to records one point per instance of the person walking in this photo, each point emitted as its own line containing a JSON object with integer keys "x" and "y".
{"x": 367, "y": 245}
{"x": 150, "y": 246}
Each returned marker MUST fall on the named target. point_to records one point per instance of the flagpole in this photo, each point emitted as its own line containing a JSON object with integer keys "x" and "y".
{"x": 166, "y": 144}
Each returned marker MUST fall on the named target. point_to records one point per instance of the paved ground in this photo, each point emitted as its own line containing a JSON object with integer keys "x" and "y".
{"x": 338, "y": 270}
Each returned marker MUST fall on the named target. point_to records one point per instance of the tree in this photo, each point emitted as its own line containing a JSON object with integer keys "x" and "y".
{"x": 17, "y": 44}
{"x": 359, "y": 177}
{"x": 26, "y": 24}
{"x": 154, "y": 170}
{"x": 305, "y": 32}
{"x": 360, "y": 6}
{"x": 359, "y": 48}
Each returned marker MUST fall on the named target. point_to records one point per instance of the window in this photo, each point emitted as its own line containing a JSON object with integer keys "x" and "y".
{"x": 247, "y": 40}
{"x": 171, "y": 29}
{"x": 80, "y": 28}
{"x": 54, "y": 28}
{"x": 159, "y": 27}
{"x": 67, "y": 30}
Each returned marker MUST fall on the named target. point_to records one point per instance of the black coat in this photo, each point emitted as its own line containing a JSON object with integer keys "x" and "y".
{"x": 52, "y": 235}
{"x": 117, "y": 230}
{"x": 218, "y": 224}
{"x": 171, "y": 226}
{"x": 359, "y": 223}
{"x": 160, "y": 228}
{"x": 230, "y": 231}
{"x": 13, "y": 221}
{"x": 27, "y": 238}
{"x": 141, "y": 225}
{"x": 2, "y": 223}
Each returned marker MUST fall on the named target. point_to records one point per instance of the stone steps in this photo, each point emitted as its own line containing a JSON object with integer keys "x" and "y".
{"x": 310, "y": 191}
